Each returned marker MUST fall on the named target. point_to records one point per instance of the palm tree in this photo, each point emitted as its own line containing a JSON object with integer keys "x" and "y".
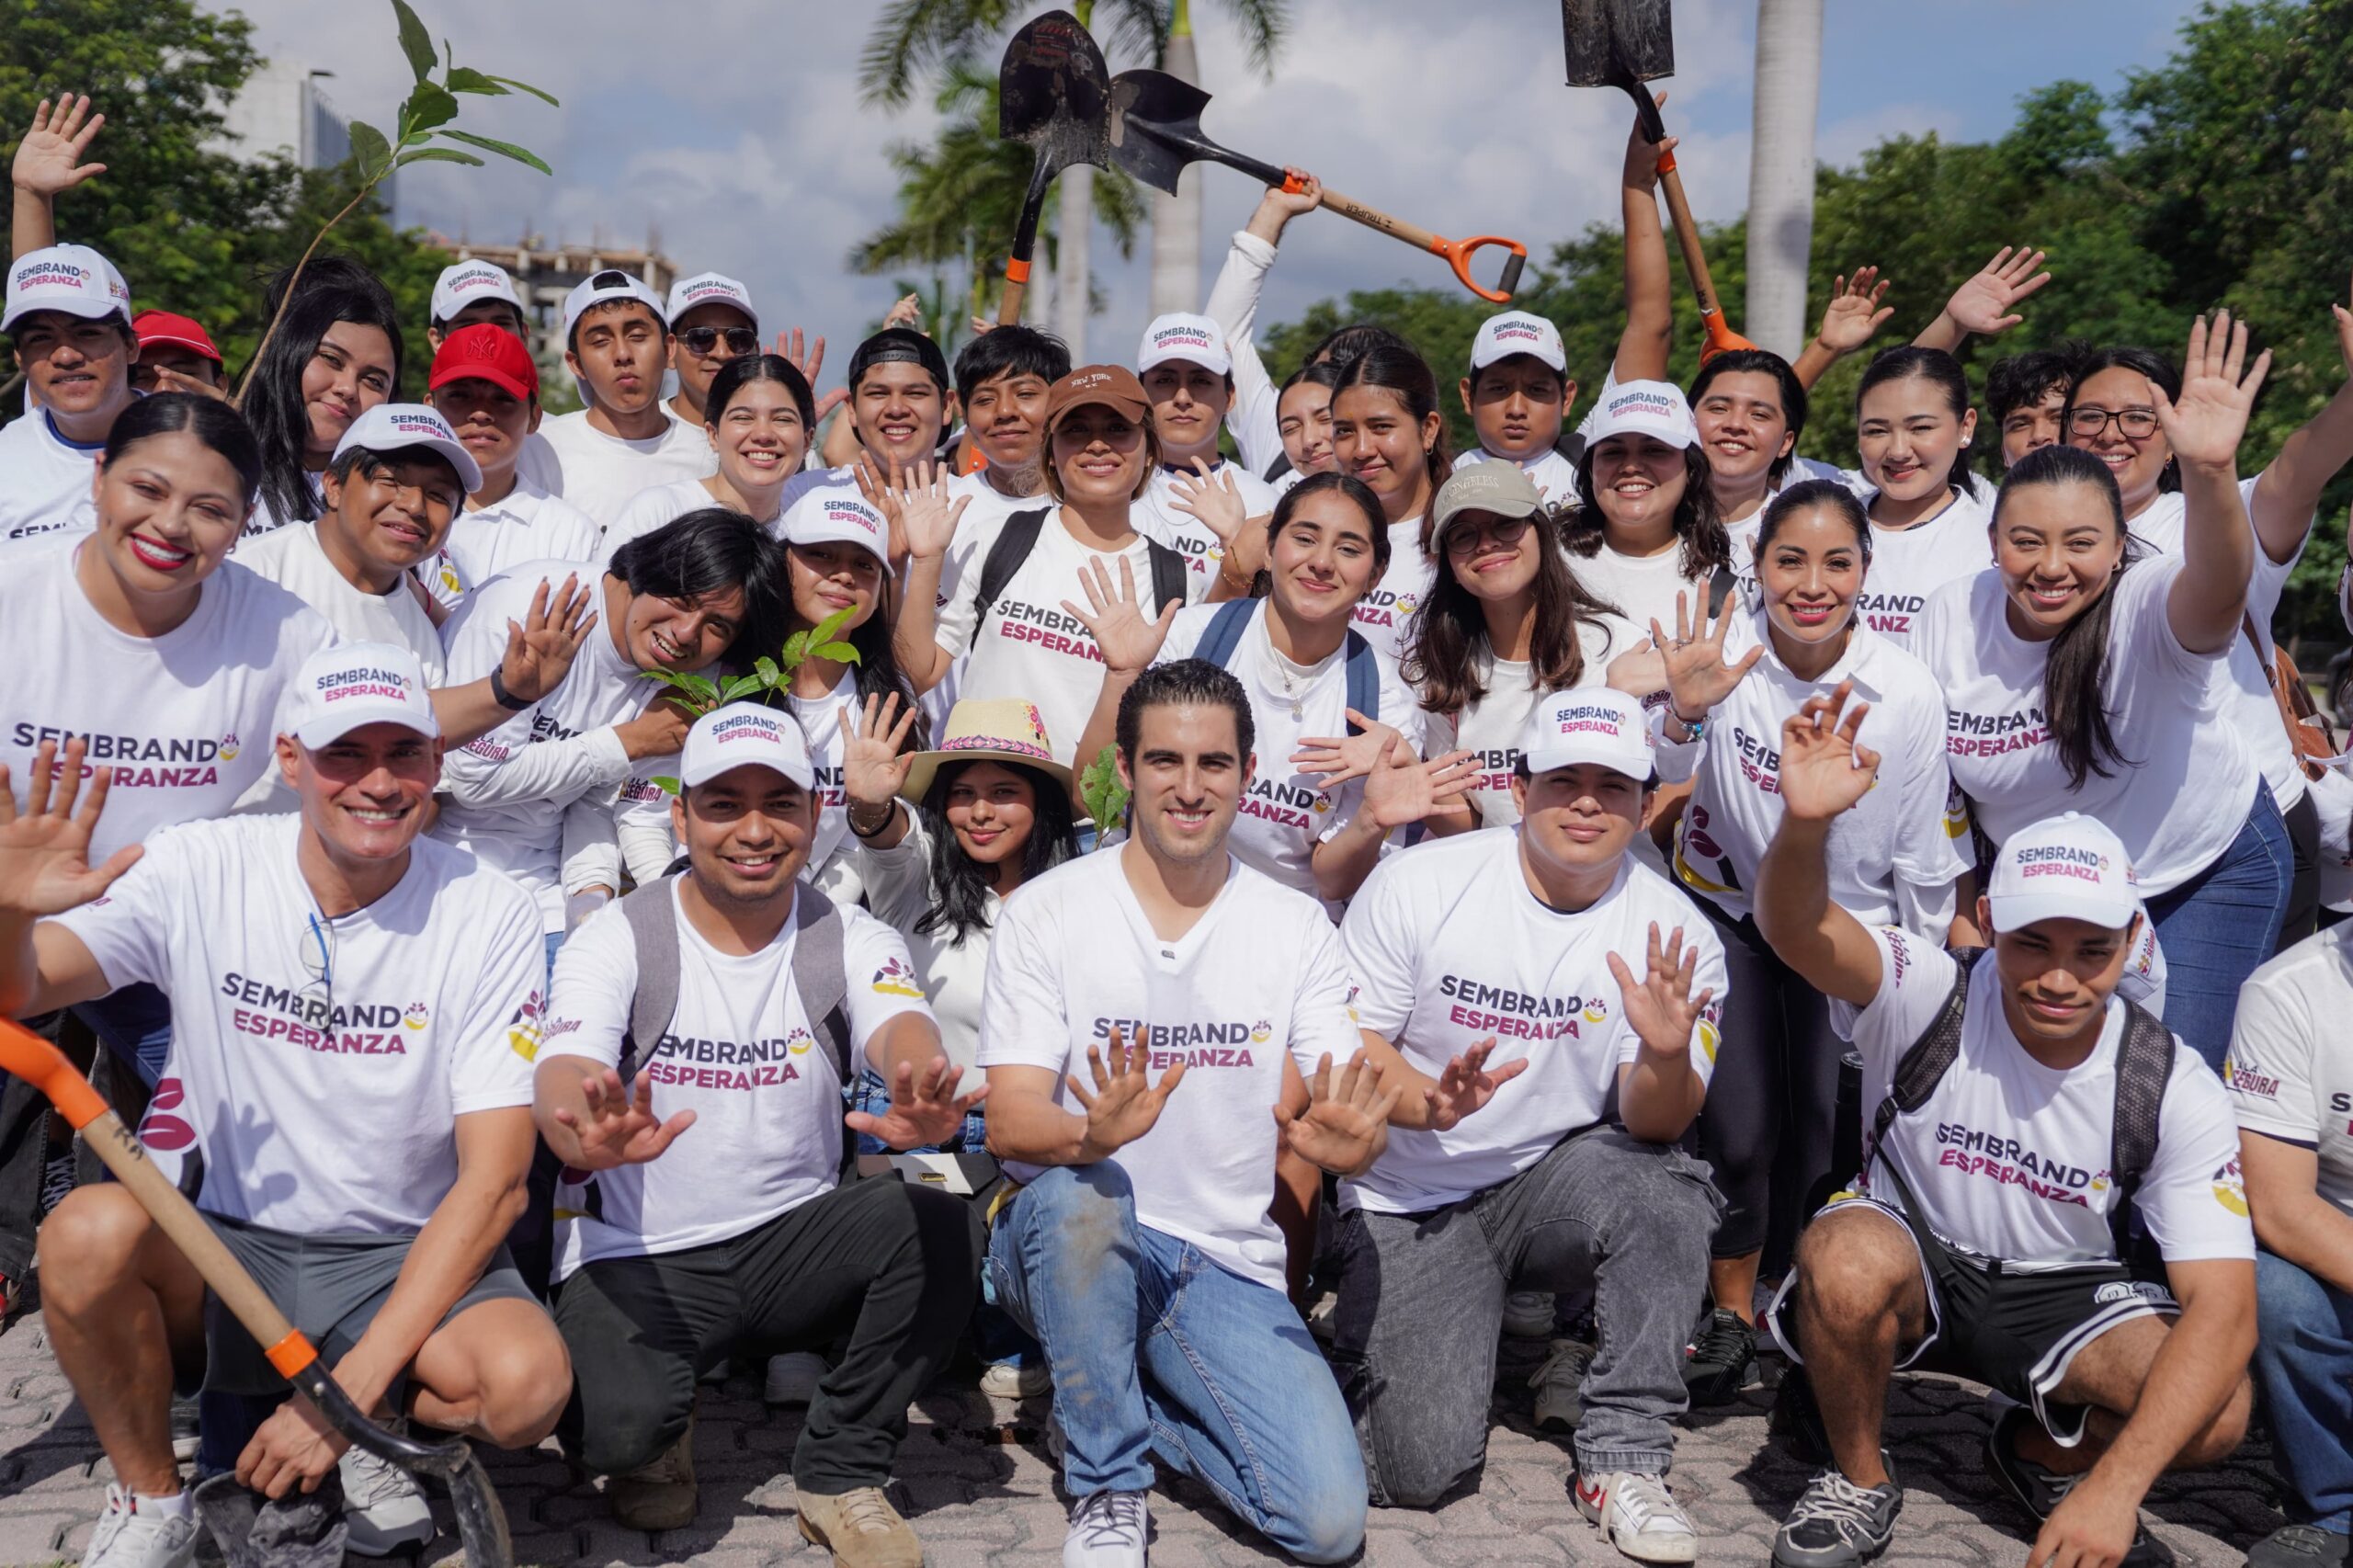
{"x": 913, "y": 38}
{"x": 1781, "y": 171}
{"x": 960, "y": 197}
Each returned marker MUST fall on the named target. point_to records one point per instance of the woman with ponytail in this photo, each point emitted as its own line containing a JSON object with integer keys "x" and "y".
{"x": 2083, "y": 674}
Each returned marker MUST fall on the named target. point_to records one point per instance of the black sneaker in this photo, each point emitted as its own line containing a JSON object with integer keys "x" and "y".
{"x": 2040, "y": 1490}
{"x": 1796, "y": 1419}
{"x": 1835, "y": 1523}
{"x": 1722, "y": 1360}
{"x": 2301, "y": 1546}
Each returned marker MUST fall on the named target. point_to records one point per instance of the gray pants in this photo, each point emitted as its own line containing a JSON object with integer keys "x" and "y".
{"x": 1422, "y": 1300}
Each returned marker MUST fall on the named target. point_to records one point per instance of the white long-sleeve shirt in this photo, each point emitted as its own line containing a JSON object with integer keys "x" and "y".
{"x": 1233, "y": 305}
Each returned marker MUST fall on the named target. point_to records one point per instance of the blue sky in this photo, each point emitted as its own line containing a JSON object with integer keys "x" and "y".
{"x": 742, "y": 141}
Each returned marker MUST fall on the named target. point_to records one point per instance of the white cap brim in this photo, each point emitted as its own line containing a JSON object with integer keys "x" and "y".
{"x": 2016, "y": 911}
{"x": 81, "y": 305}
{"x": 332, "y": 726}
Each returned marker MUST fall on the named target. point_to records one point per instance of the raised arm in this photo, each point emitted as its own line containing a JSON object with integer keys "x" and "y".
{"x": 928, "y": 524}
{"x": 1984, "y": 304}
{"x": 539, "y": 651}
{"x": 1851, "y": 319}
{"x": 1644, "y": 343}
{"x": 45, "y": 869}
{"x": 1824, "y": 772}
{"x": 2208, "y": 599}
{"x": 2286, "y": 495}
{"x": 1129, "y": 642}
{"x": 48, "y": 160}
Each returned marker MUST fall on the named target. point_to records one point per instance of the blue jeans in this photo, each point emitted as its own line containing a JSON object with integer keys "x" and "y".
{"x": 135, "y": 1023}
{"x": 2217, "y": 927}
{"x": 1157, "y": 1350}
{"x": 2303, "y": 1363}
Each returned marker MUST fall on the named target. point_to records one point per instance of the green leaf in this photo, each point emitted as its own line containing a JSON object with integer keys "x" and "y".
{"x": 741, "y": 686}
{"x": 692, "y": 689}
{"x": 542, "y": 94}
{"x": 840, "y": 653}
{"x": 465, "y": 79}
{"x": 1106, "y": 797}
{"x": 830, "y": 628}
{"x": 415, "y": 42}
{"x": 436, "y": 156}
{"x": 769, "y": 671}
{"x": 428, "y": 106}
{"x": 504, "y": 149}
{"x": 796, "y": 649}
{"x": 668, "y": 785}
{"x": 370, "y": 151}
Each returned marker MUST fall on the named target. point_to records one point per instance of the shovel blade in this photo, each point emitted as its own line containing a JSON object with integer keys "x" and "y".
{"x": 1055, "y": 93}
{"x": 1155, "y": 125}
{"x": 1616, "y": 43}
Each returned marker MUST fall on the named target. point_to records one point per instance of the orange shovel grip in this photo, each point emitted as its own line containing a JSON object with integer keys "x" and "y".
{"x": 26, "y": 1055}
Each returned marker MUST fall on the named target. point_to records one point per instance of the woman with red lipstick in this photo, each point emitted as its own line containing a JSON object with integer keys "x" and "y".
{"x": 2084, "y": 675}
{"x": 1896, "y": 859}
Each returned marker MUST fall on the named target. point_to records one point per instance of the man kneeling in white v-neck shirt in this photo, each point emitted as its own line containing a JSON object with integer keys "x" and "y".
{"x": 726, "y": 1228}
{"x": 2021, "y": 1115}
{"x": 354, "y": 1010}
{"x": 1569, "y": 1178}
{"x": 1140, "y": 1248}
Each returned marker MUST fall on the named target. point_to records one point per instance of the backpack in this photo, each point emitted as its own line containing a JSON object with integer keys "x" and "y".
{"x": 2309, "y": 735}
{"x": 1231, "y": 619}
{"x": 1019, "y": 537}
{"x": 2144, "y": 1067}
{"x": 817, "y": 972}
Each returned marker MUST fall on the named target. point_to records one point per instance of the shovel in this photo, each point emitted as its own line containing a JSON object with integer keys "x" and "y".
{"x": 1053, "y": 92}
{"x": 1623, "y": 43}
{"x": 1156, "y": 129}
{"x": 481, "y": 1524}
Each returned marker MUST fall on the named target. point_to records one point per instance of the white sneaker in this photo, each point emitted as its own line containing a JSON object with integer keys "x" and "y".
{"x": 1528, "y": 1314}
{"x": 1560, "y": 1385}
{"x": 793, "y": 1377}
{"x": 1643, "y": 1517}
{"x": 1016, "y": 1379}
{"x": 384, "y": 1507}
{"x": 1107, "y": 1530}
{"x": 130, "y": 1536}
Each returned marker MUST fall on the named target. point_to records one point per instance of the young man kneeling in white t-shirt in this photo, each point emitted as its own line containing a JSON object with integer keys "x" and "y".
{"x": 741, "y": 1237}
{"x": 1605, "y": 984}
{"x": 1140, "y": 1248}
{"x": 2014, "y": 1103}
{"x": 354, "y": 1007}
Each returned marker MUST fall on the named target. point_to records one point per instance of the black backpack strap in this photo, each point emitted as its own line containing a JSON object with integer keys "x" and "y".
{"x": 819, "y": 976}
{"x": 1721, "y": 587}
{"x": 2144, "y": 1067}
{"x": 1012, "y": 547}
{"x": 1168, "y": 573}
{"x": 1363, "y": 669}
{"x": 1276, "y": 469}
{"x": 1927, "y": 1059}
{"x": 1569, "y": 444}
{"x": 652, "y": 915}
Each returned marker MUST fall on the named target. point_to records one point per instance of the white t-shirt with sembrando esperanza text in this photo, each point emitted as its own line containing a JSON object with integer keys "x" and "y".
{"x": 2290, "y": 1070}
{"x": 45, "y": 480}
{"x": 601, "y": 473}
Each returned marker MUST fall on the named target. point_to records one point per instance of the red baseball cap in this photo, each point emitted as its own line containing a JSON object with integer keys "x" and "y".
{"x": 487, "y": 353}
{"x": 162, "y": 327}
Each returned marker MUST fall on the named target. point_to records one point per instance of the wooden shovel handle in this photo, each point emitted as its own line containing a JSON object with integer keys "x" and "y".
{"x": 38, "y": 1063}
{"x": 1374, "y": 218}
{"x": 1721, "y": 335}
{"x": 1016, "y": 284}
{"x": 1458, "y": 253}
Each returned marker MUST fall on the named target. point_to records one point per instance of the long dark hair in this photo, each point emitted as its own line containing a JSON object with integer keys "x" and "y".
{"x": 1349, "y": 488}
{"x": 1357, "y": 338}
{"x": 877, "y": 671}
{"x": 2147, "y": 362}
{"x": 2073, "y": 675}
{"x": 210, "y": 420}
{"x": 1397, "y": 369}
{"x": 1449, "y": 637}
{"x": 959, "y": 885}
{"x": 709, "y": 551}
{"x": 1699, "y": 520}
{"x": 776, "y": 367}
{"x": 340, "y": 291}
{"x": 1937, "y": 368}
{"x": 1762, "y": 362}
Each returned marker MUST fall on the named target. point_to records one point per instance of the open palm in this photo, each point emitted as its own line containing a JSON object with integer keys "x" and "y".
{"x": 48, "y": 159}
{"x": 1823, "y": 770}
{"x": 2205, "y": 423}
{"x": 874, "y": 763}
{"x": 1697, "y": 674}
{"x": 1985, "y": 304}
{"x": 1346, "y": 1125}
{"x": 1129, "y": 640}
{"x": 45, "y": 849}
{"x": 1854, "y": 313}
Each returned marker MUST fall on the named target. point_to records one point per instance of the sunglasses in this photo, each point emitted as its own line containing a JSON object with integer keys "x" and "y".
{"x": 703, "y": 339}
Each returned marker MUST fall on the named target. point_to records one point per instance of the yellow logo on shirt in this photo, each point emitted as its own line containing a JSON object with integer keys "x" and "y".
{"x": 896, "y": 979}
{"x": 1708, "y": 1038}
{"x": 523, "y": 1029}
{"x": 798, "y": 1042}
{"x": 416, "y": 1018}
{"x": 1596, "y": 1011}
{"x": 1261, "y": 1032}
{"x": 229, "y": 747}
{"x": 2230, "y": 1190}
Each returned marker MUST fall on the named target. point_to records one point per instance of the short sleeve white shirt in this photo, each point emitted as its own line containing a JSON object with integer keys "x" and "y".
{"x": 1157, "y": 517}
{"x": 2290, "y": 1070}
{"x": 1908, "y": 565}
{"x": 651, "y": 508}
{"x": 323, "y": 1107}
{"x": 1385, "y": 616}
{"x": 1490, "y": 728}
{"x": 1259, "y": 974}
{"x": 1448, "y": 946}
{"x": 742, "y": 1055}
{"x": 294, "y": 560}
{"x": 2190, "y": 782}
{"x": 528, "y": 525}
{"x": 44, "y": 480}
{"x": 1554, "y": 476}
{"x": 600, "y": 473}
{"x": 2009, "y": 1158}
{"x": 1642, "y": 587}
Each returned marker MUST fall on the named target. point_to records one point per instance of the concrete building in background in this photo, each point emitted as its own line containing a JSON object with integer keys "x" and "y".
{"x": 283, "y": 108}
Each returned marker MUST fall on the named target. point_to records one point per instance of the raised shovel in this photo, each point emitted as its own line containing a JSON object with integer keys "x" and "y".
{"x": 228, "y": 1510}
{"x": 1622, "y": 44}
{"x": 1157, "y": 131}
{"x": 1053, "y": 92}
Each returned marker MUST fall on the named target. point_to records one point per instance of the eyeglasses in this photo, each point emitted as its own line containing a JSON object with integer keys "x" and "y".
{"x": 741, "y": 340}
{"x": 1463, "y": 539}
{"x": 317, "y": 1000}
{"x": 2137, "y": 424}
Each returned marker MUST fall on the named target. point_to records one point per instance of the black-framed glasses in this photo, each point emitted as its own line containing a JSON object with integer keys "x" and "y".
{"x": 740, "y": 340}
{"x": 317, "y": 1000}
{"x": 1463, "y": 538}
{"x": 2137, "y": 424}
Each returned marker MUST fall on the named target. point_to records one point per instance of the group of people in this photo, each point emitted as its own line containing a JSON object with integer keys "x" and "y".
{"x": 1460, "y": 884}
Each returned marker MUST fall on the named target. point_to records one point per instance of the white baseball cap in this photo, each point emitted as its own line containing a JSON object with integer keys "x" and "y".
{"x": 744, "y": 734}
{"x": 2062, "y": 867}
{"x": 389, "y": 427}
{"x": 346, "y": 685}
{"x": 836, "y": 515}
{"x": 464, "y": 283}
{"x": 1181, "y": 335}
{"x": 610, "y": 284}
{"x": 1516, "y": 332}
{"x": 73, "y": 278}
{"x": 1593, "y": 725}
{"x": 1656, "y": 409}
{"x": 711, "y": 289}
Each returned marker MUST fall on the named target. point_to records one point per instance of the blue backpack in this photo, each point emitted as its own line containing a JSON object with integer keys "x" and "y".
{"x": 1363, "y": 669}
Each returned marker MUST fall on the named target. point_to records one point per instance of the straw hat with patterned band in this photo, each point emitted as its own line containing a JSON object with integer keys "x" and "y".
{"x": 1002, "y": 729}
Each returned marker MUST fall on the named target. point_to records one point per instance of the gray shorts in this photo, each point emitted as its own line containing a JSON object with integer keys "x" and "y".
{"x": 330, "y": 1286}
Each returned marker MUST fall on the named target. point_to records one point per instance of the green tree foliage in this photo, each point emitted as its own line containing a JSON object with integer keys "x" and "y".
{"x": 2223, "y": 177}
{"x": 193, "y": 229}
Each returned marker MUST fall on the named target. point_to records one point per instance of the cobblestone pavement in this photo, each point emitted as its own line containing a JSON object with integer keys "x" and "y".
{"x": 974, "y": 1479}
